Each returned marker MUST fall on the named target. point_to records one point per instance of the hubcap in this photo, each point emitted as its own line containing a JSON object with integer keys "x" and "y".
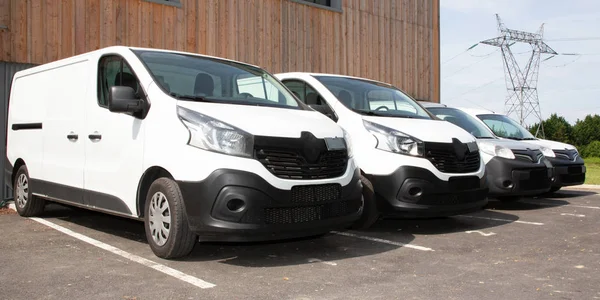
{"x": 22, "y": 191}
{"x": 159, "y": 217}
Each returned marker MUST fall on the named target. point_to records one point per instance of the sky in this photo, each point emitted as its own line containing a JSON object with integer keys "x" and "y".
{"x": 568, "y": 85}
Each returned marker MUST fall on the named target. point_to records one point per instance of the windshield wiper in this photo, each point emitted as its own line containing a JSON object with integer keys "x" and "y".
{"x": 190, "y": 97}
{"x": 528, "y": 139}
{"x": 514, "y": 138}
{"x": 484, "y": 137}
{"x": 374, "y": 113}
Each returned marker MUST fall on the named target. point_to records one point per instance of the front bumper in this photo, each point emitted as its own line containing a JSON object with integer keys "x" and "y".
{"x": 261, "y": 212}
{"x": 417, "y": 192}
{"x": 512, "y": 177}
{"x": 568, "y": 172}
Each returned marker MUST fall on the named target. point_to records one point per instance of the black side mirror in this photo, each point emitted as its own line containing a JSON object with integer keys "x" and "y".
{"x": 123, "y": 99}
{"x": 324, "y": 109}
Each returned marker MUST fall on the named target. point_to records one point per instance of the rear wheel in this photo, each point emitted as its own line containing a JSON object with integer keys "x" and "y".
{"x": 370, "y": 214}
{"x": 27, "y": 205}
{"x": 167, "y": 230}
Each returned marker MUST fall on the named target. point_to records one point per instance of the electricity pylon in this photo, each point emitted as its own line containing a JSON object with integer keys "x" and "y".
{"x": 521, "y": 84}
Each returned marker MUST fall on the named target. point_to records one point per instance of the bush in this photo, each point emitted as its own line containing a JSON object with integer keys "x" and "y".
{"x": 587, "y": 130}
{"x": 591, "y": 150}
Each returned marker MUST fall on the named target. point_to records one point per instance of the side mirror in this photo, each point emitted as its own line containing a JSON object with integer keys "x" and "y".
{"x": 123, "y": 99}
{"x": 324, "y": 109}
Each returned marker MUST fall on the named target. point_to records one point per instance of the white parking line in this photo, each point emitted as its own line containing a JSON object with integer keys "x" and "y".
{"x": 314, "y": 260}
{"x": 373, "y": 239}
{"x": 557, "y": 204}
{"x": 146, "y": 262}
{"x": 480, "y": 232}
{"x": 502, "y": 220}
{"x": 574, "y": 215}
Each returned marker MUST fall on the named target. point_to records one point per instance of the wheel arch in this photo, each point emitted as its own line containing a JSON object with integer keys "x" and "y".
{"x": 18, "y": 164}
{"x": 148, "y": 177}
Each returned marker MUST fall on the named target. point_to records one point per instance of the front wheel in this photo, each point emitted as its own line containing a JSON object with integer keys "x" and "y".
{"x": 26, "y": 204}
{"x": 509, "y": 198}
{"x": 167, "y": 230}
{"x": 370, "y": 214}
{"x": 554, "y": 189}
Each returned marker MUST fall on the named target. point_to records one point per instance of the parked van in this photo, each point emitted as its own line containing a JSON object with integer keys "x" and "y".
{"x": 198, "y": 147}
{"x": 413, "y": 164}
{"x": 514, "y": 168}
{"x": 568, "y": 165}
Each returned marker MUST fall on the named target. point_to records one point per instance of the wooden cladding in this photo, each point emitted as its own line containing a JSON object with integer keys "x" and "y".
{"x": 395, "y": 41}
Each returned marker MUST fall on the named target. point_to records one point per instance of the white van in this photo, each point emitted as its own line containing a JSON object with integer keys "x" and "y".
{"x": 514, "y": 168}
{"x": 414, "y": 164}
{"x": 198, "y": 147}
{"x": 569, "y": 167}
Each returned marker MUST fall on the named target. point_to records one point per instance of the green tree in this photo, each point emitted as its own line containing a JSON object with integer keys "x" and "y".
{"x": 555, "y": 128}
{"x": 587, "y": 130}
{"x": 591, "y": 150}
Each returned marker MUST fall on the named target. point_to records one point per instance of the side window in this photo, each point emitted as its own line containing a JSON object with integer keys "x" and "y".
{"x": 305, "y": 92}
{"x": 114, "y": 71}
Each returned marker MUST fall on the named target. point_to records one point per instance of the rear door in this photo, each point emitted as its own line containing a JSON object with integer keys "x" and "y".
{"x": 63, "y": 132}
{"x": 113, "y": 142}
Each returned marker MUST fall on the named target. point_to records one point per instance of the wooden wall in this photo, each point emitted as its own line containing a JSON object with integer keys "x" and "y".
{"x": 396, "y": 41}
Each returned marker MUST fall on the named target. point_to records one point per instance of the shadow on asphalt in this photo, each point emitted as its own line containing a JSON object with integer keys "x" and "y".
{"x": 436, "y": 226}
{"x": 252, "y": 254}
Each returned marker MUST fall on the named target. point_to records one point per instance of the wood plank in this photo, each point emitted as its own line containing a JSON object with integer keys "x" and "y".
{"x": 51, "y": 30}
{"x": 146, "y": 21}
{"x": 92, "y": 22}
{"x": 211, "y": 27}
{"x": 133, "y": 27}
{"x": 5, "y": 35}
{"x": 191, "y": 26}
{"x": 168, "y": 25}
{"x": 67, "y": 29}
{"x": 19, "y": 29}
{"x": 80, "y": 26}
{"x": 121, "y": 29}
{"x": 201, "y": 25}
{"x": 180, "y": 29}
{"x": 158, "y": 30}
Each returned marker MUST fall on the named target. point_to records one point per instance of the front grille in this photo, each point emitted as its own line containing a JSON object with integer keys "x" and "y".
{"x": 455, "y": 198}
{"x": 570, "y": 155}
{"x": 572, "y": 178}
{"x": 528, "y": 155}
{"x": 289, "y": 164}
{"x": 444, "y": 158}
{"x": 294, "y": 215}
{"x": 306, "y": 157}
{"x": 537, "y": 180}
{"x": 574, "y": 170}
{"x": 464, "y": 183}
{"x": 316, "y": 193}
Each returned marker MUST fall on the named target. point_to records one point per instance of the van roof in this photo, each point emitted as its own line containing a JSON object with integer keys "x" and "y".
{"x": 114, "y": 49}
{"x": 334, "y": 75}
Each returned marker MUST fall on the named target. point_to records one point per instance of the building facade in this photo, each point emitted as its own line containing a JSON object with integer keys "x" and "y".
{"x": 395, "y": 41}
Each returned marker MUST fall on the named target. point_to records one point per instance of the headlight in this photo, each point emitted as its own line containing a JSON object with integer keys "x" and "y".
{"x": 213, "y": 135}
{"x": 547, "y": 152}
{"x": 348, "y": 143}
{"x": 496, "y": 150}
{"x": 395, "y": 141}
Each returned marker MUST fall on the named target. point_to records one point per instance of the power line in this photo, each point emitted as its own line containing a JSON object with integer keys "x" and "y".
{"x": 593, "y": 38}
{"x": 470, "y": 65}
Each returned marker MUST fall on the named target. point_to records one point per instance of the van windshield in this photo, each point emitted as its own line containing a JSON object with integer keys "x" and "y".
{"x": 506, "y": 127}
{"x": 372, "y": 98}
{"x": 206, "y": 79}
{"x": 463, "y": 120}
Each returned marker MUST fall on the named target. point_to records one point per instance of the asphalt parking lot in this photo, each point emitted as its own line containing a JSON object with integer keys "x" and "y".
{"x": 535, "y": 249}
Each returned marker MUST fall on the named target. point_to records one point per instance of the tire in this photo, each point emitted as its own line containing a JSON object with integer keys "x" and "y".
{"x": 554, "y": 189}
{"x": 26, "y": 204}
{"x": 508, "y": 199}
{"x": 164, "y": 195}
{"x": 370, "y": 214}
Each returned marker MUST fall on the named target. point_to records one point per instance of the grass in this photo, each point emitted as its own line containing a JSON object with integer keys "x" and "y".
{"x": 592, "y": 165}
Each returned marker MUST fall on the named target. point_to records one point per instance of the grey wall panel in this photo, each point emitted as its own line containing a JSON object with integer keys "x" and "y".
{"x": 7, "y": 71}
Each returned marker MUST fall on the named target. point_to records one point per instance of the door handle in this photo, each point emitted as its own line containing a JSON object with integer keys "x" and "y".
{"x": 72, "y": 136}
{"x": 95, "y": 136}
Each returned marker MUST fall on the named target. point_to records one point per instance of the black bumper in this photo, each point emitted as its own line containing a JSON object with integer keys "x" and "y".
{"x": 568, "y": 172}
{"x": 267, "y": 213}
{"x": 513, "y": 177}
{"x": 416, "y": 192}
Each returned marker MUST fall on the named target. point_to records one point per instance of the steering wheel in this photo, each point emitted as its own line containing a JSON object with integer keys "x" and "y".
{"x": 383, "y": 106}
{"x": 246, "y": 95}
